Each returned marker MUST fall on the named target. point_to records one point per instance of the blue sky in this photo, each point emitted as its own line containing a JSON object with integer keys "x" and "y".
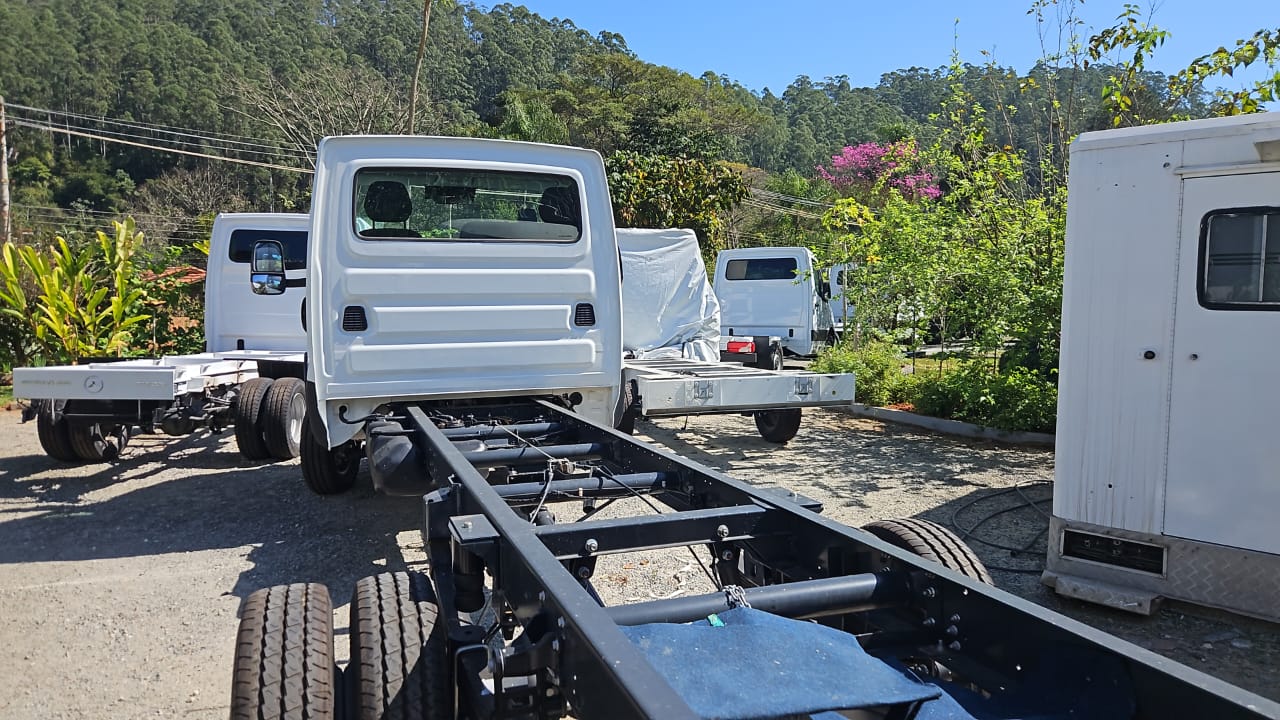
{"x": 768, "y": 44}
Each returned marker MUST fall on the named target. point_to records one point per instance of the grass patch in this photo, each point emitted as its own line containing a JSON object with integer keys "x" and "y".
{"x": 6, "y": 395}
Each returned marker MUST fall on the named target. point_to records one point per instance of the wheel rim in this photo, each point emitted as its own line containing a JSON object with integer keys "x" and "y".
{"x": 297, "y": 410}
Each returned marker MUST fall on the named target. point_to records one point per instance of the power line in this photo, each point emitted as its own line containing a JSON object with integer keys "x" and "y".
{"x": 114, "y": 134}
{"x": 171, "y": 129}
{"x": 103, "y": 138}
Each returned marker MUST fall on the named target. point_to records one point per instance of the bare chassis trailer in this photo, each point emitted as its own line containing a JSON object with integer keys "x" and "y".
{"x": 671, "y": 387}
{"x": 535, "y": 641}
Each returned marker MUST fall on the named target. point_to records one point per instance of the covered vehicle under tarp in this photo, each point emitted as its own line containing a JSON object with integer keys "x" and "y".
{"x": 668, "y": 307}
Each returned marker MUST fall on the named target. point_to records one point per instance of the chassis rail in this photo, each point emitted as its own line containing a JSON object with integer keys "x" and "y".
{"x": 490, "y": 473}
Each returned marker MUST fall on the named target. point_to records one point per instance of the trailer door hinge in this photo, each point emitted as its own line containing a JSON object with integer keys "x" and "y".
{"x": 804, "y": 386}
{"x": 704, "y": 390}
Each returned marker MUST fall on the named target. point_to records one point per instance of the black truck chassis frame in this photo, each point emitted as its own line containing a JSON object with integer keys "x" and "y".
{"x": 489, "y": 473}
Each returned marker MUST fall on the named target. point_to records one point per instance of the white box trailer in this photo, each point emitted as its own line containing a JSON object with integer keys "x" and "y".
{"x": 1167, "y": 475}
{"x": 250, "y": 375}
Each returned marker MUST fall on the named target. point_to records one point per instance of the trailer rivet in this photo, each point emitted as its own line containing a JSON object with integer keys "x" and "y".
{"x": 952, "y": 630}
{"x": 555, "y": 646}
{"x": 466, "y": 525}
{"x": 955, "y": 646}
{"x": 591, "y": 545}
{"x": 542, "y": 596}
{"x": 551, "y": 692}
{"x": 930, "y": 622}
{"x": 929, "y": 592}
{"x": 726, "y": 555}
{"x": 560, "y": 623}
{"x": 955, "y": 618}
{"x": 722, "y": 532}
{"x": 584, "y": 572}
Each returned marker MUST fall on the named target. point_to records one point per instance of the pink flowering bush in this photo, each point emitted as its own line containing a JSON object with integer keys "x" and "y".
{"x": 867, "y": 168}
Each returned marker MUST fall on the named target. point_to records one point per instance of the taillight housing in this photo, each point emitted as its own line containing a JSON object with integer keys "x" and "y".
{"x": 742, "y": 346}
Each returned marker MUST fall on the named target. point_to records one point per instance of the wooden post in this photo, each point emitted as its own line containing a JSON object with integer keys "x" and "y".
{"x": 6, "y": 210}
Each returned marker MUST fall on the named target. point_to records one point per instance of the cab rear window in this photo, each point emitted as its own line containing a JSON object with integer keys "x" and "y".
{"x": 469, "y": 205}
{"x": 240, "y": 249}
{"x": 761, "y": 269}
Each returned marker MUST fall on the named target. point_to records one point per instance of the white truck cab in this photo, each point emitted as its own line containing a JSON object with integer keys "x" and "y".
{"x": 455, "y": 269}
{"x": 250, "y": 376}
{"x": 235, "y": 317}
{"x": 775, "y": 291}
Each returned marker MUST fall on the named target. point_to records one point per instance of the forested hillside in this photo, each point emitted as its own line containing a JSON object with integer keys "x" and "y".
{"x": 258, "y": 79}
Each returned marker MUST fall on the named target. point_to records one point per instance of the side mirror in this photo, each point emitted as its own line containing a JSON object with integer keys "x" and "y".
{"x": 267, "y": 275}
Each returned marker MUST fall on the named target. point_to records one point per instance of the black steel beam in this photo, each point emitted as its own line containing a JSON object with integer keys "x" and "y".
{"x": 584, "y": 488}
{"x": 603, "y": 674}
{"x": 526, "y": 455}
{"x": 484, "y": 432}
{"x": 648, "y": 532}
{"x": 803, "y": 599}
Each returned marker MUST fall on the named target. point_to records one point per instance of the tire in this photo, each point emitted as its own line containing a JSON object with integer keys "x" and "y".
{"x": 95, "y": 442}
{"x": 327, "y": 472}
{"x": 399, "y": 656}
{"x": 55, "y": 435}
{"x": 284, "y": 667}
{"x": 778, "y": 426}
{"x": 933, "y": 542}
{"x": 248, "y": 418}
{"x": 771, "y": 361}
{"x": 283, "y": 408}
{"x": 627, "y": 418}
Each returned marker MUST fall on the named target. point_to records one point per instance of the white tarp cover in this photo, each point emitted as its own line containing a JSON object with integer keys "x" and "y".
{"x": 668, "y": 307}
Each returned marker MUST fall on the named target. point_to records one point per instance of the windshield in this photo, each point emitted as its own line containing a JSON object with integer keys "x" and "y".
{"x": 452, "y": 203}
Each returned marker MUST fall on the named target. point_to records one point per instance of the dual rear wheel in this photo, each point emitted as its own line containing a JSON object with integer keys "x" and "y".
{"x": 399, "y": 669}
{"x": 268, "y": 418}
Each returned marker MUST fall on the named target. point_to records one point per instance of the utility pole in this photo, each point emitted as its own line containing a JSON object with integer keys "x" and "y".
{"x": 417, "y": 68}
{"x": 6, "y": 210}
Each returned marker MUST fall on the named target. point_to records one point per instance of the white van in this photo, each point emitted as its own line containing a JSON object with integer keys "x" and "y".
{"x": 775, "y": 291}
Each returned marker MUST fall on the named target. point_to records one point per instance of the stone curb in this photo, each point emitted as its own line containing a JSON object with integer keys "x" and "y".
{"x": 949, "y": 427}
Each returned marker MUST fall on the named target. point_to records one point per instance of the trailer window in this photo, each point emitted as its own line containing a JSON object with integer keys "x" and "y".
{"x": 240, "y": 249}
{"x": 467, "y": 205}
{"x": 1240, "y": 259}
{"x": 761, "y": 269}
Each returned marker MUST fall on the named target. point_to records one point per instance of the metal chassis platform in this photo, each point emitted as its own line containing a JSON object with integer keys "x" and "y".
{"x": 674, "y": 387}
{"x": 569, "y": 654}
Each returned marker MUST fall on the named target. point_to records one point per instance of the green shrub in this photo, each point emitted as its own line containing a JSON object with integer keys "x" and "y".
{"x": 1018, "y": 399}
{"x": 877, "y": 367}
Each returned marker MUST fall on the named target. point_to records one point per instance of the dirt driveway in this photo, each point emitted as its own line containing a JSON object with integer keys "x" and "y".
{"x": 121, "y": 583}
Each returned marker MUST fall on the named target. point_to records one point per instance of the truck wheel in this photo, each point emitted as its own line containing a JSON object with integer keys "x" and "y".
{"x": 284, "y": 656}
{"x": 931, "y": 541}
{"x": 248, "y": 411}
{"x": 399, "y": 658}
{"x": 327, "y": 472}
{"x": 55, "y": 436}
{"x": 95, "y": 442}
{"x": 283, "y": 408}
{"x": 778, "y": 426}
{"x": 770, "y": 361}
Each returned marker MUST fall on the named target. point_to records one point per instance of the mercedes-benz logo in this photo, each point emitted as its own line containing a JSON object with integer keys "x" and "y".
{"x": 93, "y": 383}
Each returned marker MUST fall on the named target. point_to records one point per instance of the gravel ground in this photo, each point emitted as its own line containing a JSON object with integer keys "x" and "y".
{"x": 121, "y": 583}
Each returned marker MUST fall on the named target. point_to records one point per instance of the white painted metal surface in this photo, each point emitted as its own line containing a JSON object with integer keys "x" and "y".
{"x": 235, "y": 318}
{"x": 671, "y": 387}
{"x": 150, "y": 379}
{"x": 772, "y": 291}
{"x": 459, "y": 316}
{"x": 1166, "y": 400}
{"x": 268, "y": 328}
{"x": 1224, "y": 463}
